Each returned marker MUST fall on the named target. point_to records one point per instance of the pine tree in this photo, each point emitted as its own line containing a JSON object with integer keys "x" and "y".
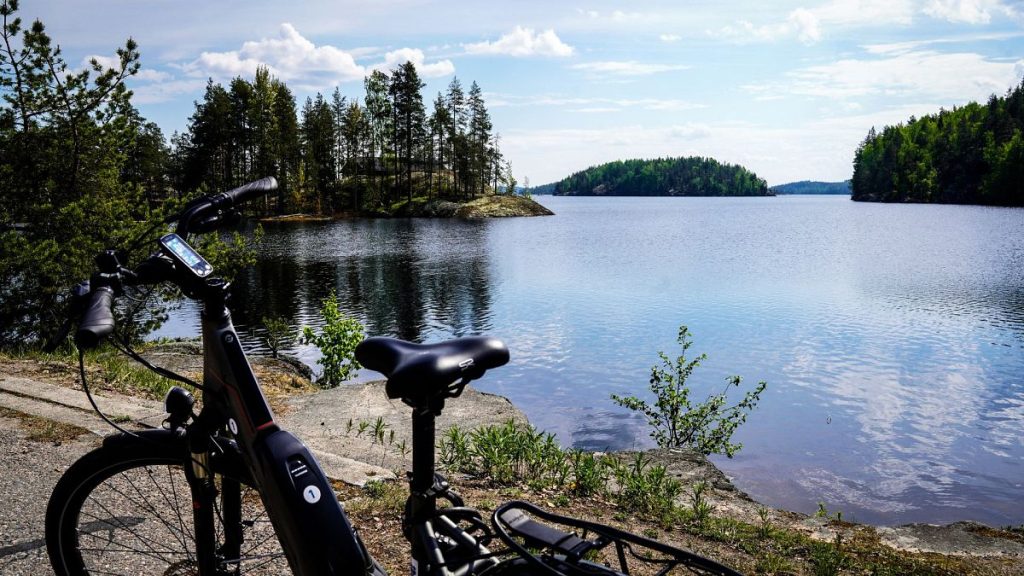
{"x": 410, "y": 118}
{"x": 378, "y": 109}
{"x": 66, "y": 189}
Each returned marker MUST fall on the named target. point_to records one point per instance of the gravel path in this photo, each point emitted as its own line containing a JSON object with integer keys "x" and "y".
{"x": 30, "y": 469}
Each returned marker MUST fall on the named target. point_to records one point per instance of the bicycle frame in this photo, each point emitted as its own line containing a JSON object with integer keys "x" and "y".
{"x": 315, "y": 534}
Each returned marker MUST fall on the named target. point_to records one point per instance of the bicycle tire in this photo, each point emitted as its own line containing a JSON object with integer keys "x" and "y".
{"x": 125, "y": 508}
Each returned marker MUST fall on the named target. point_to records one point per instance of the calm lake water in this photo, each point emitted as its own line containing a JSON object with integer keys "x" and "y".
{"x": 891, "y": 336}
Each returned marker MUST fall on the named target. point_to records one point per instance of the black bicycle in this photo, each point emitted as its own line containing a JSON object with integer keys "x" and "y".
{"x": 221, "y": 489}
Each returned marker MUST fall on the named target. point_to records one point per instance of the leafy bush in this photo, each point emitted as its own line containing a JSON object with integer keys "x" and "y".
{"x": 337, "y": 341}
{"x": 679, "y": 422}
{"x": 280, "y": 334}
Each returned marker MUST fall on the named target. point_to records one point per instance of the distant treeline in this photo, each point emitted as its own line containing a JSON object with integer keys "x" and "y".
{"x": 811, "y": 187}
{"x": 543, "y": 189}
{"x": 693, "y": 176}
{"x": 340, "y": 154}
{"x": 968, "y": 155}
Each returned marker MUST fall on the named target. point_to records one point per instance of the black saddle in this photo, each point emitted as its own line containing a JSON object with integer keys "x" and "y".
{"x": 420, "y": 371}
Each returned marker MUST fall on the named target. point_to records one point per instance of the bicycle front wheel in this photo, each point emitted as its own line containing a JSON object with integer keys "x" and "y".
{"x": 128, "y": 510}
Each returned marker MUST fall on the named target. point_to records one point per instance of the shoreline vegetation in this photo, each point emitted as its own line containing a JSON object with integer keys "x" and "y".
{"x": 490, "y": 206}
{"x": 972, "y": 154}
{"x": 677, "y": 496}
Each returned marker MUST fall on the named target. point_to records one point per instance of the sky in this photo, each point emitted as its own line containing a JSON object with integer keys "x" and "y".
{"x": 786, "y": 89}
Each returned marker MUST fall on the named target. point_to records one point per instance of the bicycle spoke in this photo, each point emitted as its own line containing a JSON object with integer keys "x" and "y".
{"x": 124, "y": 526}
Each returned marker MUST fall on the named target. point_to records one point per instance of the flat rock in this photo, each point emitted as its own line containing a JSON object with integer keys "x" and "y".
{"x": 957, "y": 539}
{"x": 342, "y": 421}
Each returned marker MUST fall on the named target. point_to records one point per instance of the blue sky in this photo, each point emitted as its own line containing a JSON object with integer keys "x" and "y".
{"x": 787, "y": 89}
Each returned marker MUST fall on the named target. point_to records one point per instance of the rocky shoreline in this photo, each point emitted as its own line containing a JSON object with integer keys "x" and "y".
{"x": 337, "y": 424}
{"x": 492, "y": 206}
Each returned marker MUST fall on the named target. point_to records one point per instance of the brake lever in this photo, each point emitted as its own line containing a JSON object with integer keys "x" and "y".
{"x": 220, "y": 219}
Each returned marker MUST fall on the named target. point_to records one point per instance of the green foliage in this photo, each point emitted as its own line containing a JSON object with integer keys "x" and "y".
{"x": 692, "y": 176}
{"x": 677, "y": 421}
{"x": 700, "y": 507}
{"x": 589, "y": 472}
{"x": 515, "y": 455}
{"x": 280, "y": 334}
{"x": 646, "y": 488}
{"x": 972, "y": 154}
{"x": 828, "y": 559}
{"x": 332, "y": 154}
{"x": 337, "y": 341}
{"x": 230, "y": 253}
{"x": 78, "y": 172}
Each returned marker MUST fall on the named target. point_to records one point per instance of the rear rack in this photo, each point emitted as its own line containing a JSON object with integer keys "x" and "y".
{"x": 582, "y": 551}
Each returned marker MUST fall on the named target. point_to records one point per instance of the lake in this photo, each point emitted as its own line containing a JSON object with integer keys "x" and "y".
{"x": 891, "y": 336}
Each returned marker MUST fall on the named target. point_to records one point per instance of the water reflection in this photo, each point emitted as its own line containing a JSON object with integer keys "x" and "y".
{"x": 891, "y": 336}
{"x": 412, "y": 279}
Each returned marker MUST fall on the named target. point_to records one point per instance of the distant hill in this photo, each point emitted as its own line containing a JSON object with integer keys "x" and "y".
{"x": 973, "y": 154}
{"x": 692, "y": 176}
{"x": 811, "y": 187}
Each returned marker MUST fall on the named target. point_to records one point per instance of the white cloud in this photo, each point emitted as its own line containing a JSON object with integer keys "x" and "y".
{"x": 805, "y": 24}
{"x": 866, "y": 12}
{"x": 398, "y": 57}
{"x": 166, "y": 90}
{"x": 290, "y": 56}
{"x": 627, "y": 68}
{"x": 146, "y": 74}
{"x": 293, "y": 58}
{"x": 965, "y": 11}
{"x": 922, "y": 74}
{"x": 912, "y": 45}
{"x": 800, "y": 23}
{"x": 523, "y": 42}
{"x": 670, "y": 38}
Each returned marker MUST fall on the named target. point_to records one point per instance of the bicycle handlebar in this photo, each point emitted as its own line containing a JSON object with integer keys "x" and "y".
{"x": 97, "y": 319}
{"x": 206, "y": 214}
{"x": 250, "y": 191}
{"x": 203, "y": 215}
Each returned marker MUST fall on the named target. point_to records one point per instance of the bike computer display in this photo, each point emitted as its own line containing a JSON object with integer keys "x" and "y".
{"x": 178, "y": 249}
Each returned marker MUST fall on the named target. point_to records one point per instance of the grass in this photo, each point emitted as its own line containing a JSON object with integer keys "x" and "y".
{"x": 746, "y": 546}
{"x": 42, "y": 429}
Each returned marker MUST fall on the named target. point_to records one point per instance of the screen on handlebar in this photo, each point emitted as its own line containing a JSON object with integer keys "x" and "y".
{"x": 178, "y": 249}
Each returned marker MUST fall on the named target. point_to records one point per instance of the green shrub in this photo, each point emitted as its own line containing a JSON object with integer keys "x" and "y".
{"x": 337, "y": 342}
{"x": 280, "y": 334}
{"x": 679, "y": 422}
{"x": 646, "y": 488}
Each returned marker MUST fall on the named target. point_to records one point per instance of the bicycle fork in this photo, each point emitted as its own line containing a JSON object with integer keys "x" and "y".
{"x": 204, "y": 498}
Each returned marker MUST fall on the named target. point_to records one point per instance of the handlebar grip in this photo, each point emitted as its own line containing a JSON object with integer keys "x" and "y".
{"x": 251, "y": 190}
{"x": 97, "y": 320}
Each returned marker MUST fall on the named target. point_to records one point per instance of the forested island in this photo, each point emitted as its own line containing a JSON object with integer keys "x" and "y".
{"x": 968, "y": 155}
{"x": 812, "y": 187}
{"x": 691, "y": 176}
{"x": 342, "y": 155}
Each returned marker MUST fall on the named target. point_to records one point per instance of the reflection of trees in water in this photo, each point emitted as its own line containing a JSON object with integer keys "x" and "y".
{"x": 422, "y": 283}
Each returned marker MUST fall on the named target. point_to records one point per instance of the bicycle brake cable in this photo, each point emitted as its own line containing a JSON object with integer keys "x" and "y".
{"x": 92, "y": 401}
{"x": 88, "y": 394}
{"x": 127, "y": 349}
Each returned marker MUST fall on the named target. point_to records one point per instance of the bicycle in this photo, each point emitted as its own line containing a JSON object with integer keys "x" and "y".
{"x": 224, "y": 490}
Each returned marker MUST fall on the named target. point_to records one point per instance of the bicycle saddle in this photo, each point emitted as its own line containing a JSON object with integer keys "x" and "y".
{"x": 423, "y": 370}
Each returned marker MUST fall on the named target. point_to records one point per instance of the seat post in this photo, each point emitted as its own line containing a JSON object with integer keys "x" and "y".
{"x": 422, "y": 449}
{"x": 421, "y": 484}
